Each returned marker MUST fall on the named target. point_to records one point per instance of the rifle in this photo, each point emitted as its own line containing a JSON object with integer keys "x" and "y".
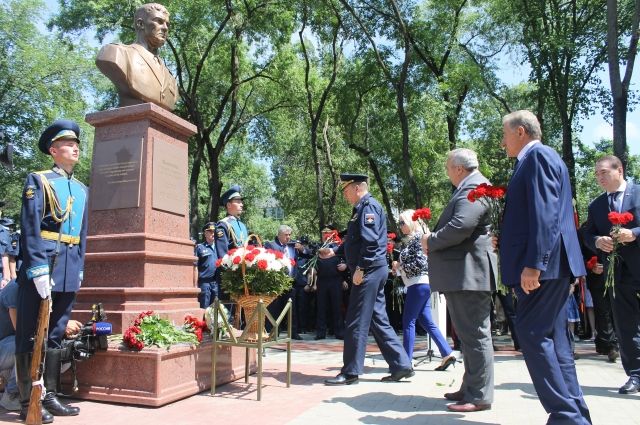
{"x": 34, "y": 414}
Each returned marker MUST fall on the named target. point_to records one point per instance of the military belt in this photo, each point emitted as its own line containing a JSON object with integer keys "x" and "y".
{"x": 53, "y": 236}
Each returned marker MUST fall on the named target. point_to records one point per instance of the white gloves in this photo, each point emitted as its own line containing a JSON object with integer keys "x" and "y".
{"x": 42, "y": 285}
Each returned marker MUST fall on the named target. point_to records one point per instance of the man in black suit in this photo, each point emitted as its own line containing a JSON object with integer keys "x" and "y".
{"x": 620, "y": 196}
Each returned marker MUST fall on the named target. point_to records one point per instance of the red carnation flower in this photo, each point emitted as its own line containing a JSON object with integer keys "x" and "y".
{"x": 218, "y": 262}
{"x": 279, "y": 255}
{"x": 422, "y": 213}
{"x": 249, "y": 257}
{"x": 592, "y": 262}
{"x": 293, "y": 262}
{"x": 389, "y": 248}
{"x": 391, "y": 235}
{"x": 237, "y": 259}
{"x": 255, "y": 251}
{"x": 262, "y": 264}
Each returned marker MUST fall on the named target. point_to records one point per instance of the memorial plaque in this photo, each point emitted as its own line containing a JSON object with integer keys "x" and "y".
{"x": 116, "y": 172}
{"x": 170, "y": 164}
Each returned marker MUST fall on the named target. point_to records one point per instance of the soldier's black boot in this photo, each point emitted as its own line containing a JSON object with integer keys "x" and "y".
{"x": 23, "y": 379}
{"x": 52, "y": 383}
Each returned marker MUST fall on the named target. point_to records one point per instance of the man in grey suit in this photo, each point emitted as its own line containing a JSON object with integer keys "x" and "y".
{"x": 462, "y": 266}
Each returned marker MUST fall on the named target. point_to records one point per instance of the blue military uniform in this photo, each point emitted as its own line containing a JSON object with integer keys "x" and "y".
{"x": 5, "y": 244}
{"x": 230, "y": 231}
{"x": 364, "y": 249}
{"x": 206, "y": 263}
{"x": 53, "y": 226}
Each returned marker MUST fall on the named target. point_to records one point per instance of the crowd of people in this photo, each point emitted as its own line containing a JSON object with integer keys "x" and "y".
{"x": 542, "y": 263}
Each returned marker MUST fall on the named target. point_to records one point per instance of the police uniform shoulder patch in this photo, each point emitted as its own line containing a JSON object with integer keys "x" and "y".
{"x": 29, "y": 192}
{"x": 369, "y": 219}
{"x": 219, "y": 233}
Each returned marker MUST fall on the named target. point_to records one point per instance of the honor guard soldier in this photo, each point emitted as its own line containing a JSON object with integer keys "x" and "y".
{"x": 206, "y": 253}
{"x": 53, "y": 241}
{"x": 364, "y": 249}
{"x": 230, "y": 231}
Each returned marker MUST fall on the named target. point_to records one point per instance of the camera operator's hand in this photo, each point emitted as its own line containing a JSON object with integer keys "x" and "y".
{"x": 325, "y": 253}
{"x": 73, "y": 328}
{"x": 43, "y": 286}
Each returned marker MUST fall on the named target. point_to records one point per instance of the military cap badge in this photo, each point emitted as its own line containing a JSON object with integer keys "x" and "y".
{"x": 29, "y": 192}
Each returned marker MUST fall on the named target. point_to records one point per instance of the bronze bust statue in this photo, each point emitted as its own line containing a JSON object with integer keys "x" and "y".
{"x": 140, "y": 76}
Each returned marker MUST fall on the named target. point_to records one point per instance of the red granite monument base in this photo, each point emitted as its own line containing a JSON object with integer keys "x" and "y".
{"x": 139, "y": 257}
{"x": 155, "y": 376}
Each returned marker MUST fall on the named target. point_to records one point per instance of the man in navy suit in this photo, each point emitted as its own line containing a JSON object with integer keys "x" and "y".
{"x": 620, "y": 196}
{"x": 539, "y": 254}
{"x": 292, "y": 250}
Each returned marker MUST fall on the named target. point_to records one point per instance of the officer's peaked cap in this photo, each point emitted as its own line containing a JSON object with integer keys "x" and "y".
{"x": 348, "y": 178}
{"x": 61, "y": 129}
{"x": 232, "y": 193}
{"x": 209, "y": 226}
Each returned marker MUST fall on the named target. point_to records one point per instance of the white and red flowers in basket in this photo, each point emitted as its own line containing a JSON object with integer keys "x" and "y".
{"x": 261, "y": 258}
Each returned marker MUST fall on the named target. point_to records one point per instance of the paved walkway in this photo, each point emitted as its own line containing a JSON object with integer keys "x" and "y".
{"x": 416, "y": 401}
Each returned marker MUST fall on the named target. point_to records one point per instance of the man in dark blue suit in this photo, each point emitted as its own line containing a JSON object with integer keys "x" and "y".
{"x": 293, "y": 251}
{"x": 206, "y": 267}
{"x": 365, "y": 248}
{"x": 620, "y": 196}
{"x": 539, "y": 254}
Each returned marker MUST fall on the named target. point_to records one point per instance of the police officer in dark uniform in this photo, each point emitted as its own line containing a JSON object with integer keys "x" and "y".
{"x": 206, "y": 253}
{"x": 230, "y": 231}
{"x": 331, "y": 275}
{"x": 365, "y": 252}
{"x": 53, "y": 243}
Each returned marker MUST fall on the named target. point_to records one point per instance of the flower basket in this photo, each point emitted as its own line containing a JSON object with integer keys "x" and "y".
{"x": 249, "y": 304}
{"x": 250, "y": 274}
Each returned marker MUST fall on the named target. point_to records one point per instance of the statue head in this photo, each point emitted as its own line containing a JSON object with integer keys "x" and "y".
{"x": 151, "y": 22}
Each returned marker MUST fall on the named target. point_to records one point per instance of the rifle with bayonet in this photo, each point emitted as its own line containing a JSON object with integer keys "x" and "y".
{"x": 34, "y": 414}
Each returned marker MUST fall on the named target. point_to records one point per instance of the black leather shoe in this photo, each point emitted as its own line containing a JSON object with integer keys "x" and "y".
{"x": 342, "y": 379}
{"x": 47, "y": 417}
{"x": 397, "y": 376}
{"x": 631, "y": 387}
{"x": 56, "y": 408}
{"x": 296, "y": 337}
{"x": 612, "y": 355}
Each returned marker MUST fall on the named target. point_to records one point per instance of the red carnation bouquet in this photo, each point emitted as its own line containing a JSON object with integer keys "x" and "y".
{"x": 194, "y": 325}
{"x": 422, "y": 216}
{"x": 618, "y": 220}
{"x": 149, "y": 329}
{"x": 492, "y": 197}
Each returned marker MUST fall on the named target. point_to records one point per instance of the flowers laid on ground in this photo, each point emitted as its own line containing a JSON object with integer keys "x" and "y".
{"x": 195, "y": 325}
{"x": 618, "y": 220}
{"x": 422, "y": 216}
{"x": 265, "y": 271}
{"x": 493, "y": 198}
{"x": 149, "y": 329}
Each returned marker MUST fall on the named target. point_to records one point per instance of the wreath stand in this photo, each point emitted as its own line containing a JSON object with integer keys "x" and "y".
{"x": 253, "y": 336}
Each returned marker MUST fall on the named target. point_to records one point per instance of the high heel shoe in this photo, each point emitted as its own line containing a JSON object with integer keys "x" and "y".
{"x": 446, "y": 362}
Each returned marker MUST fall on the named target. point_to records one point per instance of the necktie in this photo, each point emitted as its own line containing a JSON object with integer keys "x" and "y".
{"x": 515, "y": 164}
{"x": 613, "y": 197}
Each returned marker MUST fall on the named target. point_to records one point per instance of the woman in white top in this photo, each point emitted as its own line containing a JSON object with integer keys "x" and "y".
{"x": 413, "y": 268}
